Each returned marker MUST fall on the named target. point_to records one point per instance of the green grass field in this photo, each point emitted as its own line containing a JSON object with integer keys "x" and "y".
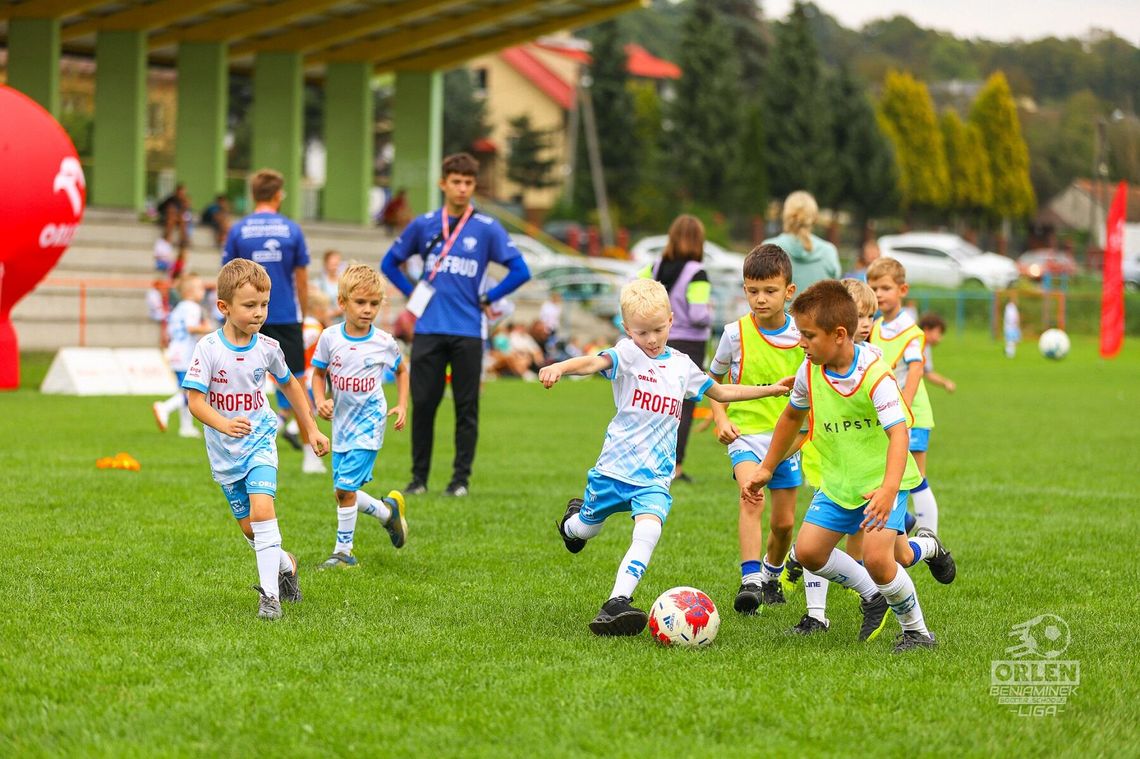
{"x": 128, "y": 625}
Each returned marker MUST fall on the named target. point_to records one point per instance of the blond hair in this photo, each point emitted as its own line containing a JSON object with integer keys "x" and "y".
{"x": 863, "y": 296}
{"x": 317, "y": 298}
{"x": 184, "y": 282}
{"x": 238, "y": 272}
{"x": 360, "y": 277}
{"x": 644, "y": 297}
{"x": 800, "y": 213}
{"x": 887, "y": 267}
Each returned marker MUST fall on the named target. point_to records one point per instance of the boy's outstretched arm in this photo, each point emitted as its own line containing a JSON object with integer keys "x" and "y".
{"x": 783, "y": 437}
{"x": 581, "y": 365}
{"x": 300, "y": 403}
{"x": 726, "y": 431}
{"x": 730, "y": 393}
{"x": 943, "y": 382}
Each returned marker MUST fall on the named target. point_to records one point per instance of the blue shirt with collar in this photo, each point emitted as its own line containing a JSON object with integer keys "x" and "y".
{"x": 275, "y": 242}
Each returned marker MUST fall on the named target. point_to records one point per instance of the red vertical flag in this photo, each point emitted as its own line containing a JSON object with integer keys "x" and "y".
{"x": 1112, "y": 296}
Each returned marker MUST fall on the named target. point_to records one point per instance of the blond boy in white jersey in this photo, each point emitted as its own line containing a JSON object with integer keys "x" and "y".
{"x": 352, "y": 357}
{"x": 635, "y": 468}
{"x": 225, "y": 386}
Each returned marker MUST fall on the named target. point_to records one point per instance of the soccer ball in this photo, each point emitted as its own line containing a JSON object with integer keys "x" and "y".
{"x": 684, "y": 617}
{"x": 1054, "y": 344}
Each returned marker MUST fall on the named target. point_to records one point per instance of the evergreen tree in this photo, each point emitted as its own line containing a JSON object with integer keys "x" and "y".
{"x": 650, "y": 205}
{"x": 464, "y": 113}
{"x": 971, "y": 187}
{"x": 906, "y": 115}
{"x": 750, "y": 39}
{"x": 528, "y": 165}
{"x": 995, "y": 115}
{"x": 706, "y": 113}
{"x": 866, "y": 175}
{"x": 801, "y": 154}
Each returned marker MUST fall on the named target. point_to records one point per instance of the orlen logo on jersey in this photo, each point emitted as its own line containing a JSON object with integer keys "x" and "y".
{"x": 657, "y": 404}
{"x": 221, "y": 378}
{"x": 646, "y": 378}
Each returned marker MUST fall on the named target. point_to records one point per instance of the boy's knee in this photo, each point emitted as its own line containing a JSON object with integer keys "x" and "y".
{"x": 345, "y": 498}
{"x": 811, "y": 557}
{"x": 750, "y": 507}
{"x": 880, "y": 567}
{"x": 781, "y": 524}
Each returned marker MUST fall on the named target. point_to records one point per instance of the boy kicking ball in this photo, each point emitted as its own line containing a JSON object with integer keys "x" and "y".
{"x": 635, "y": 468}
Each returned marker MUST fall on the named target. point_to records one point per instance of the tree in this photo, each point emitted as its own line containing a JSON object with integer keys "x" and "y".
{"x": 527, "y": 164}
{"x": 464, "y": 113}
{"x": 866, "y": 175}
{"x": 800, "y": 150}
{"x": 750, "y": 39}
{"x": 706, "y": 113}
{"x": 971, "y": 185}
{"x": 650, "y": 207}
{"x": 906, "y": 116}
{"x": 995, "y": 115}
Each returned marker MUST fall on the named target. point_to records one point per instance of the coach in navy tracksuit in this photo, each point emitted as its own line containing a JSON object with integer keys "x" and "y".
{"x": 456, "y": 244}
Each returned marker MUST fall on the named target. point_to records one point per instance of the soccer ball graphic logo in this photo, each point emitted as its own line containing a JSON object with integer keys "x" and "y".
{"x": 1054, "y": 344}
{"x": 1045, "y": 636}
{"x": 684, "y": 617}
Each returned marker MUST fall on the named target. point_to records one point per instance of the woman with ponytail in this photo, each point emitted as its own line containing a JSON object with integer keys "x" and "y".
{"x": 813, "y": 258}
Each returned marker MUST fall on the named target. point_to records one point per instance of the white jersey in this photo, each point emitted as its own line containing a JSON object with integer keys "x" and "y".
{"x": 231, "y": 378}
{"x": 885, "y": 395}
{"x": 185, "y": 316}
{"x": 913, "y": 350}
{"x": 729, "y": 353}
{"x": 641, "y": 441}
{"x": 355, "y": 367}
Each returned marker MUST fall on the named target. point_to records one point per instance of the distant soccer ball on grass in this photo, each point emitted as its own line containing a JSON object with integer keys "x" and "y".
{"x": 684, "y": 617}
{"x": 1054, "y": 344}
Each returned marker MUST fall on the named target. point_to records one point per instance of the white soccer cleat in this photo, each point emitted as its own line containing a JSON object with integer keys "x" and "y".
{"x": 189, "y": 432}
{"x": 159, "y": 415}
{"x": 313, "y": 466}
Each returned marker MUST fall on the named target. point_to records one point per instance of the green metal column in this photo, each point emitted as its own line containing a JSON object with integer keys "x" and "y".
{"x": 33, "y": 60}
{"x": 348, "y": 141}
{"x": 418, "y": 137}
{"x": 203, "y": 94}
{"x": 119, "y": 143}
{"x": 277, "y": 136}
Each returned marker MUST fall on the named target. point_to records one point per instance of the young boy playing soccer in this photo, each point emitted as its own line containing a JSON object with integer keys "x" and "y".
{"x": 902, "y": 342}
{"x": 761, "y": 347}
{"x": 224, "y": 380}
{"x": 933, "y": 329}
{"x": 858, "y": 424}
{"x": 907, "y": 551}
{"x": 635, "y": 468}
{"x": 353, "y": 357}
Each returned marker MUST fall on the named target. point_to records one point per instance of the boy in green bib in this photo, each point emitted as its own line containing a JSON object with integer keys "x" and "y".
{"x": 858, "y": 423}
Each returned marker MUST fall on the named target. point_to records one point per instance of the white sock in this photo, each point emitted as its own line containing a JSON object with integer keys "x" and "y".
{"x": 373, "y": 507}
{"x": 267, "y": 546}
{"x": 646, "y": 533}
{"x": 345, "y": 527}
{"x": 576, "y": 528}
{"x": 309, "y": 455}
{"x": 849, "y": 573}
{"x": 186, "y": 419}
{"x": 286, "y": 565}
{"x": 752, "y": 578}
{"x": 815, "y": 592}
{"x": 769, "y": 573}
{"x": 925, "y": 509}
{"x": 903, "y": 599}
{"x": 172, "y": 403}
{"x": 923, "y": 548}
{"x": 292, "y": 427}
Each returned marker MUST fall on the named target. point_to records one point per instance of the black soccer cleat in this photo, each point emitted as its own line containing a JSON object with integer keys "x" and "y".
{"x": 771, "y": 594}
{"x": 874, "y": 616}
{"x": 748, "y": 598}
{"x": 619, "y": 617}
{"x": 941, "y": 564}
{"x": 292, "y": 438}
{"x": 288, "y": 586}
{"x": 908, "y": 640}
{"x": 573, "y": 545}
{"x": 809, "y": 625}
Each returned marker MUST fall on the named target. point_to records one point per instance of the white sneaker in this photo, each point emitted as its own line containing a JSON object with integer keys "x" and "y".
{"x": 159, "y": 415}
{"x": 313, "y": 466}
{"x": 189, "y": 432}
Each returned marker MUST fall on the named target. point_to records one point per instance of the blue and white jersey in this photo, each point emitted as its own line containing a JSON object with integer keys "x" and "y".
{"x": 275, "y": 242}
{"x": 231, "y": 378}
{"x": 641, "y": 441}
{"x": 454, "y": 309}
{"x": 185, "y": 316}
{"x": 355, "y": 367}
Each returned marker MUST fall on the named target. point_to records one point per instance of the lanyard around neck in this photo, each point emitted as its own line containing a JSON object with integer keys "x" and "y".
{"x": 450, "y": 237}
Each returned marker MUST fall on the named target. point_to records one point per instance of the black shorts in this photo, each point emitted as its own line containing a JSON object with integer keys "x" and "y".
{"x": 292, "y": 344}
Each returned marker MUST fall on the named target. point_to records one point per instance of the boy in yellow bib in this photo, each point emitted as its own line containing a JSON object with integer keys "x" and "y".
{"x": 903, "y": 343}
{"x": 759, "y": 349}
{"x": 858, "y": 423}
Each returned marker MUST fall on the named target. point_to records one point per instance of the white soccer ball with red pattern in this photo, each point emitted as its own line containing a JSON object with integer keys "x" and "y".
{"x": 684, "y": 617}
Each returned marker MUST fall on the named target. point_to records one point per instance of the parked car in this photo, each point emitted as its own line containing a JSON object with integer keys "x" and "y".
{"x": 722, "y": 266}
{"x": 946, "y": 260}
{"x": 1035, "y": 264}
{"x": 540, "y": 257}
{"x": 1131, "y": 271}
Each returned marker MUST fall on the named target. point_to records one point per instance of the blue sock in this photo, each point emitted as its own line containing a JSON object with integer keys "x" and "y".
{"x": 909, "y": 521}
{"x": 749, "y": 568}
{"x": 917, "y": 553}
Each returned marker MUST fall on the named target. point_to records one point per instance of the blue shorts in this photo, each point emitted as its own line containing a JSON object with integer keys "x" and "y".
{"x": 283, "y": 402}
{"x": 606, "y": 496}
{"x": 351, "y": 469}
{"x": 919, "y": 439}
{"x": 261, "y": 479}
{"x": 787, "y": 475}
{"x": 826, "y": 513}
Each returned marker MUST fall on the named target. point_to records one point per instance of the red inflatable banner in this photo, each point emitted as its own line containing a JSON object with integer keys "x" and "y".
{"x": 1112, "y": 294}
{"x": 42, "y": 197}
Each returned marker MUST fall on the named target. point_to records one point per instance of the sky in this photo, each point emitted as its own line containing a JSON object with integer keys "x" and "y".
{"x": 999, "y": 20}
